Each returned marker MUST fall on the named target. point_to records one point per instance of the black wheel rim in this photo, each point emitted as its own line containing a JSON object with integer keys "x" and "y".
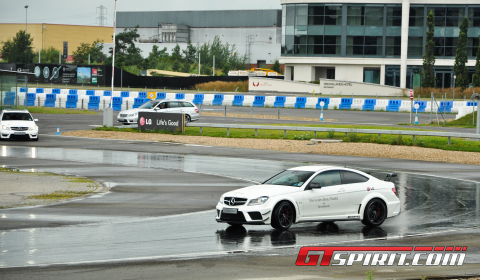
{"x": 285, "y": 215}
{"x": 187, "y": 119}
{"x": 376, "y": 212}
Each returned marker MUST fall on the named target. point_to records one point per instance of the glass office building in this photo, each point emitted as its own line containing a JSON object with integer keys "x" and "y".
{"x": 373, "y": 42}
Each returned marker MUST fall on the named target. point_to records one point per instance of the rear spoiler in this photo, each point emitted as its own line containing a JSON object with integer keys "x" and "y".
{"x": 389, "y": 176}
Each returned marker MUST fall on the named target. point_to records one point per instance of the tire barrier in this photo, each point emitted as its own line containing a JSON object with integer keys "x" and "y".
{"x": 30, "y": 100}
{"x": 125, "y": 94}
{"x": 178, "y": 96}
{"x": 94, "y": 103}
{"x": 39, "y": 90}
{"x": 72, "y": 91}
{"x": 117, "y": 103}
{"x": 369, "y": 104}
{"x": 259, "y": 101}
{"x": 107, "y": 93}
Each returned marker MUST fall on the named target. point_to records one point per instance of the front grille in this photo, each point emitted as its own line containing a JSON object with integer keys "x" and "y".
{"x": 123, "y": 115}
{"x": 236, "y": 201}
{"x": 19, "y": 128}
{"x": 239, "y": 217}
{"x": 255, "y": 215}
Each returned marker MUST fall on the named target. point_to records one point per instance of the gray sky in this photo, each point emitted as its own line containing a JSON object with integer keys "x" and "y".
{"x": 85, "y": 12}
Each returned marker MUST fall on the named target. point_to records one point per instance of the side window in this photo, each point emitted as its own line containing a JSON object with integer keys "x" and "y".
{"x": 173, "y": 105}
{"x": 186, "y": 104}
{"x": 352, "y": 177}
{"x": 328, "y": 178}
{"x": 162, "y": 105}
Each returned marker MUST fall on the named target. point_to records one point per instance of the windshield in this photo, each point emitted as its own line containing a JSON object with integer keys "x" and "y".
{"x": 293, "y": 178}
{"x": 149, "y": 105}
{"x": 17, "y": 117}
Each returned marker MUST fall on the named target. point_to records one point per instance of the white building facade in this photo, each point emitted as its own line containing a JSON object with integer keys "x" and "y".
{"x": 374, "y": 41}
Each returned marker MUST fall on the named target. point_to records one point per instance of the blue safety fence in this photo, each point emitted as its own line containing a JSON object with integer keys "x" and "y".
{"x": 422, "y": 105}
{"x": 280, "y": 101}
{"x": 56, "y": 91}
{"x": 125, "y": 94}
{"x": 300, "y": 102}
{"x": 50, "y": 100}
{"x": 90, "y": 92}
{"x": 94, "y": 102}
{"x": 218, "y": 99}
{"x": 394, "y": 105}
{"x": 72, "y": 100}
{"x": 142, "y": 94}
{"x": 161, "y": 95}
{"x": 346, "y": 103}
{"x": 369, "y": 104}
{"x": 39, "y": 90}
{"x": 22, "y": 89}
{"x": 179, "y": 96}
{"x": 72, "y": 91}
{"x": 107, "y": 93}
{"x": 326, "y": 100}
{"x": 445, "y": 106}
{"x": 9, "y": 98}
{"x": 137, "y": 102}
{"x": 117, "y": 103}
{"x": 30, "y": 100}
{"x": 471, "y": 103}
{"x": 259, "y": 101}
{"x": 198, "y": 99}
{"x": 238, "y": 100}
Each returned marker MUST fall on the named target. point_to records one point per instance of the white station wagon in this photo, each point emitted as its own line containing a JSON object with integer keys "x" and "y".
{"x": 311, "y": 194}
{"x": 161, "y": 106}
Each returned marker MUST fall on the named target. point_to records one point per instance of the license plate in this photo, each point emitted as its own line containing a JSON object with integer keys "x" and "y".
{"x": 19, "y": 133}
{"x": 230, "y": 210}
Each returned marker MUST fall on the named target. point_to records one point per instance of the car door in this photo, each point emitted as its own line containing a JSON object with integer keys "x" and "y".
{"x": 357, "y": 186}
{"x": 328, "y": 200}
{"x": 175, "y": 107}
{"x": 163, "y": 107}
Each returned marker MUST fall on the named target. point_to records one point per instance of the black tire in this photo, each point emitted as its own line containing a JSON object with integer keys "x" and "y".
{"x": 187, "y": 119}
{"x": 375, "y": 213}
{"x": 283, "y": 215}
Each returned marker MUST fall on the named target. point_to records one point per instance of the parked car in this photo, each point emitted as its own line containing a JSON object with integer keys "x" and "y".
{"x": 18, "y": 124}
{"x": 161, "y": 106}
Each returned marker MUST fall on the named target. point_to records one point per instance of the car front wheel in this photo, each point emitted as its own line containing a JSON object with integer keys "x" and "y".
{"x": 375, "y": 213}
{"x": 283, "y": 215}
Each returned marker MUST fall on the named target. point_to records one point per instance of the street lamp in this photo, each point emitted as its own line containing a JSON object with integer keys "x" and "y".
{"x": 26, "y": 9}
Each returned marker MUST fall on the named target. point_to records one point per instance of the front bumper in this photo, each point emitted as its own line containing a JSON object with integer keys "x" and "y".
{"x": 252, "y": 215}
{"x": 127, "y": 120}
{"x": 12, "y": 134}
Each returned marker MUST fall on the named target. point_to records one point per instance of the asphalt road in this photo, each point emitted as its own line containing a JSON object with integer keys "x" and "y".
{"x": 142, "y": 227}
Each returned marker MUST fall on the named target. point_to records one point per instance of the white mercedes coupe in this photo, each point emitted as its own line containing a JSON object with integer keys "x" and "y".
{"x": 311, "y": 194}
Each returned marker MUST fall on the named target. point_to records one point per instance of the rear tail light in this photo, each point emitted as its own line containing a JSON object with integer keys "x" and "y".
{"x": 196, "y": 110}
{"x": 394, "y": 191}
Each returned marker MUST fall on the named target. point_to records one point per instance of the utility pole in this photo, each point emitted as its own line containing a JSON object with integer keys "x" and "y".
{"x": 101, "y": 19}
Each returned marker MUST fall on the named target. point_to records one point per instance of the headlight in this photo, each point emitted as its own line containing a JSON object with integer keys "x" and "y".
{"x": 258, "y": 201}
{"x": 221, "y": 200}
{"x": 4, "y": 127}
{"x": 33, "y": 128}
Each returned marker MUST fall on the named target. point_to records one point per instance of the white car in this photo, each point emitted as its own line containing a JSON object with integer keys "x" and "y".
{"x": 18, "y": 124}
{"x": 161, "y": 106}
{"x": 311, "y": 194}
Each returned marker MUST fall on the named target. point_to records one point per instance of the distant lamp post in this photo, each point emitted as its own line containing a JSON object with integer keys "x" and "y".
{"x": 26, "y": 9}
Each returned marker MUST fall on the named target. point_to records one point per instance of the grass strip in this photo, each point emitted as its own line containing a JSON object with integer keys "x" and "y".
{"x": 60, "y": 195}
{"x": 48, "y": 110}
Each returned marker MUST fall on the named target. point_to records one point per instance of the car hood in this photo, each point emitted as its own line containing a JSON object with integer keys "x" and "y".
{"x": 262, "y": 190}
{"x": 18, "y": 123}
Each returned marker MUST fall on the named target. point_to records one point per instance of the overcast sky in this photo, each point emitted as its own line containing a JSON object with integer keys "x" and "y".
{"x": 85, "y": 12}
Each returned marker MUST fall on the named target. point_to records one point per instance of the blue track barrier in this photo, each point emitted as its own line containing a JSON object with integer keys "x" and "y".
{"x": 198, "y": 99}
{"x": 394, "y": 105}
{"x": 142, "y": 94}
{"x": 238, "y": 100}
{"x": 30, "y": 100}
{"x": 178, "y": 96}
{"x": 40, "y": 90}
{"x": 56, "y": 91}
{"x": 421, "y": 106}
{"x": 50, "y": 100}
{"x": 161, "y": 95}
{"x": 9, "y": 98}
{"x": 346, "y": 103}
{"x": 72, "y": 100}
{"x": 125, "y": 94}
{"x": 259, "y": 101}
{"x": 107, "y": 93}
{"x": 22, "y": 89}
{"x": 90, "y": 92}
{"x": 300, "y": 102}
{"x": 280, "y": 101}
{"x": 94, "y": 102}
{"x": 218, "y": 99}
{"x": 137, "y": 102}
{"x": 445, "y": 106}
{"x": 369, "y": 104}
{"x": 117, "y": 103}
{"x": 471, "y": 103}
{"x": 325, "y": 100}
{"x": 72, "y": 91}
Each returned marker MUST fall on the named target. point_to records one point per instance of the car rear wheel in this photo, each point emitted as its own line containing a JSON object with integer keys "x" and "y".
{"x": 375, "y": 213}
{"x": 283, "y": 215}
{"x": 187, "y": 119}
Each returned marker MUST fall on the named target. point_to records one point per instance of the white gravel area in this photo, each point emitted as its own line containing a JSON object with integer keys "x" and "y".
{"x": 297, "y": 146}
{"x": 16, "y": 187}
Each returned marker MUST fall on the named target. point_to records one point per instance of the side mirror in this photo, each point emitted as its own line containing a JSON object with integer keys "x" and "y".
{"x": 35, "y": 120}
{"x": 315, "y": 186}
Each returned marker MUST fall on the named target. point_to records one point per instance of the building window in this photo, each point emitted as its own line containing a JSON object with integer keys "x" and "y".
{"x": 415, "y": 46}
{"x": 373, "y": 16}
{"x": 392, "y": 75}
{"x": 394, "y": 16}
{"x": 355, "y": 15}
{"x": 371, "y": 75}
{"x": 393, "y": 46}
{"x": 332, "y": 45}
{"x": 416, "y": 16}
{"x": 447, "y": 16}
{"x": 368, "y": 45}
{"x": 333, "y": 15}
{"x": 331, "y": 73}
{"x": 474, "y": 17}
{"x": 472, "y": 46}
